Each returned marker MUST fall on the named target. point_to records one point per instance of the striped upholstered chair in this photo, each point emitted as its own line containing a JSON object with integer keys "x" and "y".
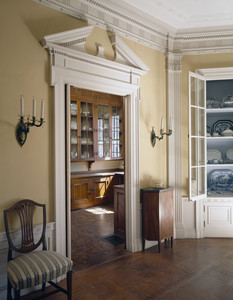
{"x": 31, "y": 268}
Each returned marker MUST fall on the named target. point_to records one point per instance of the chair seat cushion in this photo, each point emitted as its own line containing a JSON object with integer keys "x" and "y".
{"x": 31, "y": 269}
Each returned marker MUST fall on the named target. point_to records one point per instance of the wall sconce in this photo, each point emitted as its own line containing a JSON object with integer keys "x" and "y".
{"x": 23, "y": 127}
{"x": 162, "y": 132}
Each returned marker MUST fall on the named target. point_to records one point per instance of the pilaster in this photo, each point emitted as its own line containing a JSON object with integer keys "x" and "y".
{"x": 174, "y": 69}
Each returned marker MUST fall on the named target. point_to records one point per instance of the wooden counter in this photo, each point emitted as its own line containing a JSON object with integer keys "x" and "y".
{"x": 92, "y": 189}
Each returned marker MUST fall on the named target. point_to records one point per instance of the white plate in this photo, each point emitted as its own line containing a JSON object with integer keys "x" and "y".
{"x": 213, "y": 154}
{"x": 229, "y": 154}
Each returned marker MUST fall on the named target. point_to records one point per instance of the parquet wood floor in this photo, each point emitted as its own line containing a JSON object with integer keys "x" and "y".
{"x": 88, "y": 228}
{"x": 200, "y": 269}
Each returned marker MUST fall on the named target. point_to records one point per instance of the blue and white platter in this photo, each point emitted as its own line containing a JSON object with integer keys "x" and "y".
{"x": 220, "y": 180}
{"x": 222, "y": 125}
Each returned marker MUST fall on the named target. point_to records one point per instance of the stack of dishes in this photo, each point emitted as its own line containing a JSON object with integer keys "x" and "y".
{"x": 214, "y": 156}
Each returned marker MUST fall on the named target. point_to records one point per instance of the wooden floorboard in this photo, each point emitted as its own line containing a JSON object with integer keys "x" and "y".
{"x": 89, "y": 227}
{"x": 193, "y": 269}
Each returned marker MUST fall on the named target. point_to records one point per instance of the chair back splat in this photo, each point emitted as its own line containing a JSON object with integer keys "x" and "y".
{"x": 32, "y": 268}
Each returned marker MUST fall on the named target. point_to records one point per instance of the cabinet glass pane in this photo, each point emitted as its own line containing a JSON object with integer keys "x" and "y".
{"x": 103, "y": 131}
{"x": 201, "y": 181}
{"x": 73, "y": 108}
{"x": 197, "y": 92}
{"x": 73, "y": 129}
{"x": 198, "y": 181}
{"x": 116, "y": 131}
{"x": 86, "y": 140}
{"x": 197, "y": 152}
{"x": 197, "y": 121}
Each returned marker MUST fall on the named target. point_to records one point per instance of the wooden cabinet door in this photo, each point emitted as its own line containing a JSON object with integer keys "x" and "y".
{"x": 99, "y": 186}
{"x": 81, "y": 193}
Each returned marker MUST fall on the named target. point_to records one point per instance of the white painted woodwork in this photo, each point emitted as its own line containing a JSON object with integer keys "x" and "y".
{"x": 70, "y": 65}
{"x": 174, "y": 141}
{"x": 218, "y": 217}
{"x": 68, "y": 169}
{"x": 135, "y": 24}
{"x": 213, "y": 215}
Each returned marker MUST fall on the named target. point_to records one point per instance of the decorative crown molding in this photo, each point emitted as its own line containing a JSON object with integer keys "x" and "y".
{"x": 128, "y": 21}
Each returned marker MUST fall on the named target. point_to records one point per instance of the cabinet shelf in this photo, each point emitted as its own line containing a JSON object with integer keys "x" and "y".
{"x": 219, "y": 165}
{"x": 87, "y": 116}
{"x": 219, "y": 110}
{"x": 219, "y": 137}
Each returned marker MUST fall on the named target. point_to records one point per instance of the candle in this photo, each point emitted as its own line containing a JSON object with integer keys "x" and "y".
{"x": 34, "y": 108}
{"x": 42, "y": 109}
{"x": 162, "y": 123}
{"x": 21, "y": 106}
{"x": 170, "y": 125}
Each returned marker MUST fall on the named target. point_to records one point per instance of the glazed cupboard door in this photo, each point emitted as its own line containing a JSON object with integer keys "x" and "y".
{"x": 117, "y": 133}
{"x": 103, "y": 131}
{"x": 86, "y": 134}
{"x": 197, "y": 140}
{"x": 96, "y": 126}
{"x": 81, "y": 127}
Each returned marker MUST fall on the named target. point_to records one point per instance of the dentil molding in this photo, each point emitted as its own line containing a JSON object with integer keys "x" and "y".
{"x": 138, "y": 26}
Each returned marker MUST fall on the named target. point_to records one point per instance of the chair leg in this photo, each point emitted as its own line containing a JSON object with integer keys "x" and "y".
{"x": 16, "y": 294}
{"x": 9, "y": 297}
{"x": 69, "y": 285}
{"x": 43, "y": 286}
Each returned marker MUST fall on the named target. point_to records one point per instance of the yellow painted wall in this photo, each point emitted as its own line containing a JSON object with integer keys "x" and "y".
{"x": 152, "y": 161}
{"x": 190, "y": 63}
{"x": 28, "y": 171}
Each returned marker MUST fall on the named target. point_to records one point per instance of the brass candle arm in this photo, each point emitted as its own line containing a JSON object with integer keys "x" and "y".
{"x": 155, "y": 137}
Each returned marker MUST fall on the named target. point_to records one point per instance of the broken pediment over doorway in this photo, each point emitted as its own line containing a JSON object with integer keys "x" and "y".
{"x": 95, "y": 46}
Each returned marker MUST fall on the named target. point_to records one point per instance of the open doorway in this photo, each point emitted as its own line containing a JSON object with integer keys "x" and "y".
{"x": 95, "y": 168}
{"x": 71, "y": 65}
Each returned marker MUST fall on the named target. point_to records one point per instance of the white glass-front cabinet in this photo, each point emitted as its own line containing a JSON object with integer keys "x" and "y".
{"x": 211, "y": 134}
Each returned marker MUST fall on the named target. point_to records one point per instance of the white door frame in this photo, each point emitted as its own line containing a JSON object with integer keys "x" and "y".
{"x": 132, "y": 194}
{"x": 71, "y": 65}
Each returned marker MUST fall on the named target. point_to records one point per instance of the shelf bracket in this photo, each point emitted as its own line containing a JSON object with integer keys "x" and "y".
{"x": 90, "y": 164}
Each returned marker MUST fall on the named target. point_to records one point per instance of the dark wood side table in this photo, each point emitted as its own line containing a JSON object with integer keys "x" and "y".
{"x": 157, "y": 214}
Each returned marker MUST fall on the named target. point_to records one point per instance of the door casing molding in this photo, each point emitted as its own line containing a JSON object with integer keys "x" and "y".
{"x": 120, "y": 77}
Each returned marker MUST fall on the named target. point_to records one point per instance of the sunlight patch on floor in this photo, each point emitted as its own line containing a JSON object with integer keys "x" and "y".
{"x": 99, "y": 211}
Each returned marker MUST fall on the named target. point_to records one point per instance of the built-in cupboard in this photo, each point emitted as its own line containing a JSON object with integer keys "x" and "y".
{"x": 96, "y": 134}
{"x": 211, "y": 149}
